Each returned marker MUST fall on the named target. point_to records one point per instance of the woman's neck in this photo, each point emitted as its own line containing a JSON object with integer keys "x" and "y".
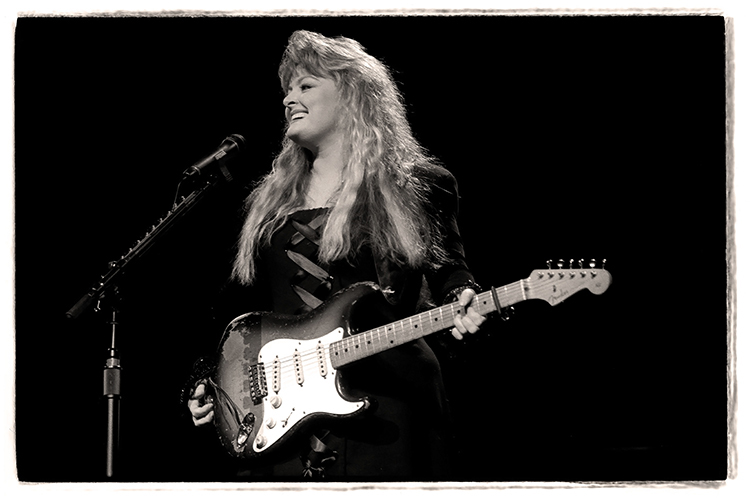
{"x": 328, "y": 158}
{"x": 325, "y": 177}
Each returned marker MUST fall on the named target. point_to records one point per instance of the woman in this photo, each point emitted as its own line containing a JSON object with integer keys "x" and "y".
{"x": 353, "y": 197}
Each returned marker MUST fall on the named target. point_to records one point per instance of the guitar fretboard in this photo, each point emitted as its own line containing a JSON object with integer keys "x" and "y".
{"x": 400, "y": 332}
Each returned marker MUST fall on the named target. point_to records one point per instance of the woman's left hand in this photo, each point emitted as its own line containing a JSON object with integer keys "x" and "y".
{"x": 471, "y": 320}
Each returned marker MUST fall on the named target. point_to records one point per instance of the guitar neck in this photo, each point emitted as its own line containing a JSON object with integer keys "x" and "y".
{"x": 380, "y": 339}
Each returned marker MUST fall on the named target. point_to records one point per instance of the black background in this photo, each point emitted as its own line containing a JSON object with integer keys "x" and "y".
{"x": 571, "y": 137}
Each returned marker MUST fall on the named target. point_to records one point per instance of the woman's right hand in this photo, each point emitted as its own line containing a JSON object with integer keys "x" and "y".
{"x": 201, "y": 406}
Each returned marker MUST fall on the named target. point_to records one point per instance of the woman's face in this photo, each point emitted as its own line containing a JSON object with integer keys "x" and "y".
{"x": 312, "y": 111}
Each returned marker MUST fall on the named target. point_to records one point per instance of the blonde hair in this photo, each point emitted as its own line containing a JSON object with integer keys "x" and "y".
{"x": 381, "y": 202}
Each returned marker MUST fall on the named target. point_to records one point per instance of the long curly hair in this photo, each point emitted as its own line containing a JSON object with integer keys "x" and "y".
{"x": 381, "y": 202}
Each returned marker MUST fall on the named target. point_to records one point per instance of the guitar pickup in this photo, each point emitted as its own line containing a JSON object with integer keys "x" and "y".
{"x": 258, "y": 386}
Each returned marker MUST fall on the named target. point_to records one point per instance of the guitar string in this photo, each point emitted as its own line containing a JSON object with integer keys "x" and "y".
{"x": 309, "y": 358}
{"x": 396, "y": 329}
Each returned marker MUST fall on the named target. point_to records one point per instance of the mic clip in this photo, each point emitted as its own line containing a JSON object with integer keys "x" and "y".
{"x": 230, "y": 147}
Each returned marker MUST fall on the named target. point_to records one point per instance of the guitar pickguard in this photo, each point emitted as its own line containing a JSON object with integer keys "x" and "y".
{"x": 304, "y": 384}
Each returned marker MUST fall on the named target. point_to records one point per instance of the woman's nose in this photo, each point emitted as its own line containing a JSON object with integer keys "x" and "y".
{"x": 290, "y": 99}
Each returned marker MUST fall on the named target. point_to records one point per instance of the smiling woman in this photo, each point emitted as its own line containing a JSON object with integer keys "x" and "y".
{"x": 351, "y": 198}
{"x": 312, "y": 111}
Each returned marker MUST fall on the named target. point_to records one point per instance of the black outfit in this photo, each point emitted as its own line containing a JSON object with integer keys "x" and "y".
{"x": 406, "y": 436}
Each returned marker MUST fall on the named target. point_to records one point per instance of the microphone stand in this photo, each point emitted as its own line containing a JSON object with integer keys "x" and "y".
{"x": 106, "y": 287}
{"x": 112, "y": 394}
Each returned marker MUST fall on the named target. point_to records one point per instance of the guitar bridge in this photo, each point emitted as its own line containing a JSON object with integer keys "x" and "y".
{"x": 258, "y": 386}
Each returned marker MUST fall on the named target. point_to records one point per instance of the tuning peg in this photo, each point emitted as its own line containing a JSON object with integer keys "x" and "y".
{"x": 560, "y": 264}
{"x": 604, "y": 263}
{"x": 592, "y": 265}
{"x": 549, "y": 268}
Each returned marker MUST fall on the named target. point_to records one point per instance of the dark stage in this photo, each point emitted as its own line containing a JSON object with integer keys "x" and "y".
{"x": 571, "y": 138}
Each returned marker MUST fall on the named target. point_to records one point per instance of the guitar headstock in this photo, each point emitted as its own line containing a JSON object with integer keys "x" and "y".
{"x": 555, "y": 285}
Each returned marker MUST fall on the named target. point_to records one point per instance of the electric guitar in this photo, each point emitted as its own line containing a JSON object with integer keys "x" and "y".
{"x": 277, "y": 374}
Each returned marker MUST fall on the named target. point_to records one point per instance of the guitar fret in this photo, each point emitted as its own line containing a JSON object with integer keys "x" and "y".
{"x": 417, "y": 326}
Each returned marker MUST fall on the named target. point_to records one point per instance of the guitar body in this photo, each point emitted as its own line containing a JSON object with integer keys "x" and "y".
{"x": 275, "y": 375}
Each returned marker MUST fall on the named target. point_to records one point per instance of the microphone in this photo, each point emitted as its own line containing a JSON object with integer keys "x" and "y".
{"x": 229, "y": 148}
